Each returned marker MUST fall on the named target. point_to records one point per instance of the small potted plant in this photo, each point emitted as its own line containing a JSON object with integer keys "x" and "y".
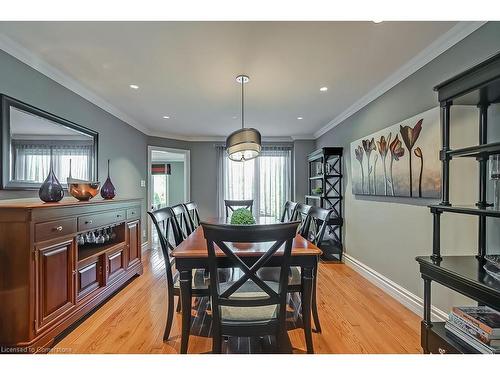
{"x": 242, "y": 216}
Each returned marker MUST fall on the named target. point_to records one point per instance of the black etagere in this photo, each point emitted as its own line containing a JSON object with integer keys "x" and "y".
{"x": 325, "y": 190}
{"x": 479, "y": 86}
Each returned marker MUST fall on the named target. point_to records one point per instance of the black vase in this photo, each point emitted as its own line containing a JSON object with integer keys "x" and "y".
{"x": 51, "y": 190}
{"x": 108, "y": 189}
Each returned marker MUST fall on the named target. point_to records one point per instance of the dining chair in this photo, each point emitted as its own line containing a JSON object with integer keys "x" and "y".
{"x": 167, "y": 228}
{"x": 232, "y": 204}
{"x": 300, "y": 213}
{"x": 181, "y": 216}
{"x": 193, "y": 214}
{"x": 288, "y": 211}
{"x": 249, "y": 306}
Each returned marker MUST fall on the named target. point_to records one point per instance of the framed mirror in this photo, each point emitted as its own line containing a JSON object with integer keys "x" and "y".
{"x": 33, "y": 139}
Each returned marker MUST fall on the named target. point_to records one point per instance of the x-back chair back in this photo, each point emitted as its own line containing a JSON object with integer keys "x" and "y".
{"x": 248, "y": 306}
{"x": 183, "y": 222}
{"x": 300, "y": 213}
{"x": 316, "y": 223}
{"x": 288, "y": 211}
{"x": 193, "y": 214}
{"x": 232, "y": 204}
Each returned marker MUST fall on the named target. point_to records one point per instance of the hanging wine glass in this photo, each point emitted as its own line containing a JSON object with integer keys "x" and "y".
{"x": 80, "y": 239}
{"x": 100, "y": 238}
{"x": 112, "y": 233}
{"x": 495, "y": 177}
{"x": 106, "y": 235}
{"x": 90, "y": 237}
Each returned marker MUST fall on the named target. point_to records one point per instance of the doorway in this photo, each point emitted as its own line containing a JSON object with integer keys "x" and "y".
{"x": 168, "y": 179}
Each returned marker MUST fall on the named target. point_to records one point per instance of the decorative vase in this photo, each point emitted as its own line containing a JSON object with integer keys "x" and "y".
{"x": 51, "y": 190}
{"x": 108, "y": 189}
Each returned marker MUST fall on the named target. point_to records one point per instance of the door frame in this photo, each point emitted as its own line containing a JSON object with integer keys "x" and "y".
{"x": 187, "y": 177}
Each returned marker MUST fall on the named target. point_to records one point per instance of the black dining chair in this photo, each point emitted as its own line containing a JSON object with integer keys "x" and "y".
{"x": 232, "y": 204}
{"x": 193, "y": 214}
{"x": 249, "y": 306}
{"x": 183, "y": 221}
{"x": 300, "y": 213}
{"x": 167, "y": 228}
{"x": 288, "y": 211}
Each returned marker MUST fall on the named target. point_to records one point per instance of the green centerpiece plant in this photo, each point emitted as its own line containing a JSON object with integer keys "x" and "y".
{"x": 242, "y": 216}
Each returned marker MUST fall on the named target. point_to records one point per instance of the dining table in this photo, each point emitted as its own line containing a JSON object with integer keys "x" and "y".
{"x": 192, "y": 253}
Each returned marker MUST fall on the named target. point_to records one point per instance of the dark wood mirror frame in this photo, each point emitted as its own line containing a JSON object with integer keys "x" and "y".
{"x": 6, "y": 103}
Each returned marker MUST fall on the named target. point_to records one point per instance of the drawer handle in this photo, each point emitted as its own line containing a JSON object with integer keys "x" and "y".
{"x": 441, "y": 351}
{"x": 88, "y": 222}
{"x": 58, "y": 228}
{"x": 132, "y": 213}
{"x": 118, "y": 215}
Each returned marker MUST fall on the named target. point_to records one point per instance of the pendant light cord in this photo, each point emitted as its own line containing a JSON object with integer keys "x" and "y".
{"x": 242, "y": 103}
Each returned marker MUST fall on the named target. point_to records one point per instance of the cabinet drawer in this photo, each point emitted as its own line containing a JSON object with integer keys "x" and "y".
{"x": 133, "y": 213}
{"x": 54, "y": 229}
{"x": 100, "y": 220}
{"x": 437, "y": 344}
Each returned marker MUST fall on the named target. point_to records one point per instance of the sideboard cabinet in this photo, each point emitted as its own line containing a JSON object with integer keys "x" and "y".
{"x": 58, "y": 261}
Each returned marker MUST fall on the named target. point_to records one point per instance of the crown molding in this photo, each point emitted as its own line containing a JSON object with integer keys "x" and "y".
{"x": 436, "y": 48}
{"x": 35, "y": 62}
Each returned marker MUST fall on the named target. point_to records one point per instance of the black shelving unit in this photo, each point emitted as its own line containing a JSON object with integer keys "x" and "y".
{"x": 479, "y": 86}
{"x": 325, "y": 172}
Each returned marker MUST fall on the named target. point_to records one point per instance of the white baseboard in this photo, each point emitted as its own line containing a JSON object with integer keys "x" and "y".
{"x": 144, "y": 246}
{"x": 402, "y": 295}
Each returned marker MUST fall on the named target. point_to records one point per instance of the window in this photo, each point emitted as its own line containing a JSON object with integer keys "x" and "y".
{"x": 266, "y": 180}
{"x": 31, "y": 160}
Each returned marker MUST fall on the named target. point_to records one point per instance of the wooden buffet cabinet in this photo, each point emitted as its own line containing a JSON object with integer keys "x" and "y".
{"x": 47, "y": 280}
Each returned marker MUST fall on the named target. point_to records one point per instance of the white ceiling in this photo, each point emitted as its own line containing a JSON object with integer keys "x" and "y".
{"x": 187, "y": 69}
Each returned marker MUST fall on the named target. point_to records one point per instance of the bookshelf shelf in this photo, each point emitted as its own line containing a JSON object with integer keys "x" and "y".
{"x": 479, "y": 85}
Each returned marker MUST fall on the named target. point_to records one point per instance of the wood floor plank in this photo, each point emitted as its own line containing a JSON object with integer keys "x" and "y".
{"x": 356, "y": 317}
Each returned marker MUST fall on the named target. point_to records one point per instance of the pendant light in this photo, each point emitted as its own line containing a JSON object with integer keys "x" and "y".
{"x": 245, "y": 143}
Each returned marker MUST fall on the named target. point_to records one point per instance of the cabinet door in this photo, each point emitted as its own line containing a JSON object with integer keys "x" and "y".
{"x": 133, "y": 242}
{"x": 115, "y": 263}
{"x": 90, "y": 276}
{"x": 55, "y": 269}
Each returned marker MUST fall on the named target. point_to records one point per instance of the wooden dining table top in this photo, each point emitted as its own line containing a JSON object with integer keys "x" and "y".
{"x": 195, "y": 245}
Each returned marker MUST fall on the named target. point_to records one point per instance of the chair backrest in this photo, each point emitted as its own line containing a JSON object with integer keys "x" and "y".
{"x": 193, "y": 214}
{"x": 288, "y": 211}
{"x": 232, "y": 204}
{"x": 167, "y": 228}
{"x": 224, "y": 237}
{"x": 316, "y": 223}
{"x": 300, "y": 213}
{"x": 181, "y": 215}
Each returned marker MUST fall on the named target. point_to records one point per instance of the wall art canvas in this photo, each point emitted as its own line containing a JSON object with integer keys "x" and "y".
{"x": 401, "y": 160}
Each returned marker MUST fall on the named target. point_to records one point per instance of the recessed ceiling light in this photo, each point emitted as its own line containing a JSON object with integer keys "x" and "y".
{"x": 324, "y": 88}
{"x": 300, "y": 118}
{"x": 377, "y": 21}
{"x": 166, "y": 117}
{"x": 135, "y": 87}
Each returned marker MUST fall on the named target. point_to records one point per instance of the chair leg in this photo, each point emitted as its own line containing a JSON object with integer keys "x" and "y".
{"x": 170, "y": 315}
{"x": 178, "y": 309}
{"x": 317, "y": 325}
{"x": 216, "y": 342}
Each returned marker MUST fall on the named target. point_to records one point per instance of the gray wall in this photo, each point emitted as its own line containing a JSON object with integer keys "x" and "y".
{"x": 118, "y": 141}
{"x": 301, "y": 148}
{"x": 387, "y": 235}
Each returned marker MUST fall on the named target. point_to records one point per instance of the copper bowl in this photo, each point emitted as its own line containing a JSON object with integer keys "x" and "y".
{"x": 83, "y": 191}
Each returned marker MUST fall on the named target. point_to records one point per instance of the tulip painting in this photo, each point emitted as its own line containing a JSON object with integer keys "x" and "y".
{"x": 383, "y": 147}
{"x": 369, "y": 146}
{"x": 410, "y": 136}
{"x": 390, "y": 161}
{"x": 396, "y": 153}
{"x": 359, "y": 156}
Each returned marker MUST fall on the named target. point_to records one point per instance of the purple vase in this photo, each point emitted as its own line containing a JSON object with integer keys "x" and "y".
{"x": 108, "y": 189}
{"x": 51, "y": 190}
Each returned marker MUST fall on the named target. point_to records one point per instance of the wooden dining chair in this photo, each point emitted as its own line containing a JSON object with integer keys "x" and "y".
{"x": 232, "y": 204}
{"x": 182, "y": 218}
{"x": 170, "y": 236}
{"x": 249, "y": 306}
{"x": 288, "y": 211}
{"x": 193, "y": 214}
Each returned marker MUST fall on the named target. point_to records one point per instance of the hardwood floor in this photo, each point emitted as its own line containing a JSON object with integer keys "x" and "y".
{"x": 356, "y": 317}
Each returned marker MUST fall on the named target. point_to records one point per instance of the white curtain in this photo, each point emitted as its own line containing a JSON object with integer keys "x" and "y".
{"x": 266, "y": 179}
{"x": 31, "y": 160}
